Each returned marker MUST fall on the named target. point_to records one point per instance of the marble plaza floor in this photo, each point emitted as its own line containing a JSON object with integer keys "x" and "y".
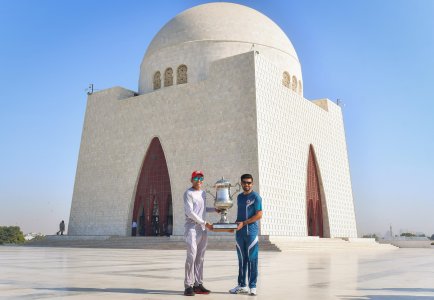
{"x": 74, "y": 273}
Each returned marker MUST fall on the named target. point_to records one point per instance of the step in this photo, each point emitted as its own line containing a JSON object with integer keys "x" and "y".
{"x": 175, "y": 243}
{"x": 226, "y": 242}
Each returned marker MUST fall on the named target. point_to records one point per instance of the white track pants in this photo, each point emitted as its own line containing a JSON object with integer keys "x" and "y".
{"x": 196, "y": 240}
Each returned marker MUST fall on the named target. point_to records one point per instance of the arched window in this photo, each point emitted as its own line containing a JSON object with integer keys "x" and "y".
{"x": 157, "y": 80}
{"x": 300, "y": 88}
{"x": 294, "y": 83}
{"x": 181, "y": 76}
{"x": 286, "y": 79}
{"x": 168, "y": 77}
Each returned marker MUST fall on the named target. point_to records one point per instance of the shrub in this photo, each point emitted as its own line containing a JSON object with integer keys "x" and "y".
{"x": 371, "y": 236}
{"x": 38, "y": 238}
{"x": 11, "y": 235}
{"x": 408, "y": 234}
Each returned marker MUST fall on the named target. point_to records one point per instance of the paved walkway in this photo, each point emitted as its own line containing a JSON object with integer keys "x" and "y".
{"x": 67, "y": 273}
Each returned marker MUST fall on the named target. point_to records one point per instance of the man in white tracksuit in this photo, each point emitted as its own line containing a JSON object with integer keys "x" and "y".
{"x": 195, "y": 235}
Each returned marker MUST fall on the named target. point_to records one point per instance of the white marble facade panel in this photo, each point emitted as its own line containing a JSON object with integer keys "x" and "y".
{"x": 287, "y": 125}
{"x": 200, "y": 126}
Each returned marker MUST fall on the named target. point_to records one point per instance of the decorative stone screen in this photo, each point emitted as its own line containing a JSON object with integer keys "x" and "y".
{"x": 286, "y": 79}
{"x": 157, "y": 80}
{"x": 294, "y": 83}
{"x": 168, "y": 77}
{"x": 181, "y": 76}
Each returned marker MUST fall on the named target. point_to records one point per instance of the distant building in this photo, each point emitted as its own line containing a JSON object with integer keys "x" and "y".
{"x": 32, "y": 235}
{"x": 220, "y": 90}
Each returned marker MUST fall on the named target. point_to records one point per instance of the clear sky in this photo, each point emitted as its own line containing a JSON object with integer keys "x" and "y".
{"x": 377, "y": 57}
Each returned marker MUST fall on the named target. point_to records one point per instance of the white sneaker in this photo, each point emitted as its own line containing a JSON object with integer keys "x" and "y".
{"x": 239, "y": 290}
{"x": 253, "y": 292}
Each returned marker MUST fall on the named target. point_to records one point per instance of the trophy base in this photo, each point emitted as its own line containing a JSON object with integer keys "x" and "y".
{"x": 224, "y": 226}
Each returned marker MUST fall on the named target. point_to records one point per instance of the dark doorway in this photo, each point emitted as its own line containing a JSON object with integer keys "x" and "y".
{"x": 313, "y": 198}
{"x": 153, "y": 200}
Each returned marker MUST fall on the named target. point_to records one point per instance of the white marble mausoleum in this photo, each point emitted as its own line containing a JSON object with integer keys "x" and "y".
{"x": 220, "y": 90}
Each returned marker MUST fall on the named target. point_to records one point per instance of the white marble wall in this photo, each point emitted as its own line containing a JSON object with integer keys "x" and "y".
{"x": 287, "y": 125}
{"x": 238, "y": 119}
{"x": 207, "y": 125}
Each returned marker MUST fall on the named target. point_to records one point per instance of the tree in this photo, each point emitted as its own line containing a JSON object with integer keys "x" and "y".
{"x": 408, "y": 234}
{"x": 432, "y": 237}
{"x": 11, "y": 235}
{"x": 370, "y": 236}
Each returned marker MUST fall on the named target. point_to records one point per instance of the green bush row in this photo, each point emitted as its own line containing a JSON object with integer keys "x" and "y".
{"x": 11, "y": 235}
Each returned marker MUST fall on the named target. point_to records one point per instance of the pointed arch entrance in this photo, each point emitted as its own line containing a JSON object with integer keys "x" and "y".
{"x": 153, "y": 200}
{"x": 314, "y": 201}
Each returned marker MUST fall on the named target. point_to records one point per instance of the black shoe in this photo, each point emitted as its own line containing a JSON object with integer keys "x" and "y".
{"x": 189, "y": 291}
{"x": 200, "y": 289}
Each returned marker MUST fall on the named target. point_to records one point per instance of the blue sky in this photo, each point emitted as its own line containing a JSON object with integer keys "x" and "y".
{"x": 376, "y": 56}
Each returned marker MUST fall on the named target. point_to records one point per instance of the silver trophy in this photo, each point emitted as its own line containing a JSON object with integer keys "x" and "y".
{"x": 223, "y": 202}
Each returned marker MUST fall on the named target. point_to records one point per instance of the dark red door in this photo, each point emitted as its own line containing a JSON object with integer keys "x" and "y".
{"x": 313, "y": 198}
{"x": 153, "y": 200}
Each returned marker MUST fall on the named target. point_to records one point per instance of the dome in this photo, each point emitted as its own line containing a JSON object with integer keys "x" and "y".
{"x": 212, "y": 31}
{"x": 221, "y": 22}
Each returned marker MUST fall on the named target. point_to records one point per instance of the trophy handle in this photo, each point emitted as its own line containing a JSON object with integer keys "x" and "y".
{"x": 209, "y": 193}
{"x": 238, "y": 189}
{"x": 207, "y": 190}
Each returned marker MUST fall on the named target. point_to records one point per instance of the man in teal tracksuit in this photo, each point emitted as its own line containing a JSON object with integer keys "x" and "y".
{"x": 249, "y": 212}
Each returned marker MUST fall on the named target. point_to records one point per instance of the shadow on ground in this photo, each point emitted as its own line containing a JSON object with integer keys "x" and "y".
{"x": 413, "y": 290}
{"x": 390, "y": 297}
{"x": 118, "y": 290}
{"x": 387, "y": 297}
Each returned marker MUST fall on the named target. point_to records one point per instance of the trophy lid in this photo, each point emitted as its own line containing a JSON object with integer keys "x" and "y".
{"x": 223, "y": 182}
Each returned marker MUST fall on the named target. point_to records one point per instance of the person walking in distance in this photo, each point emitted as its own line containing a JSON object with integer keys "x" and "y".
{"x": 61, "y": 228}
{"x": 249, "y": 213}
{"x": 195, "y": 235}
